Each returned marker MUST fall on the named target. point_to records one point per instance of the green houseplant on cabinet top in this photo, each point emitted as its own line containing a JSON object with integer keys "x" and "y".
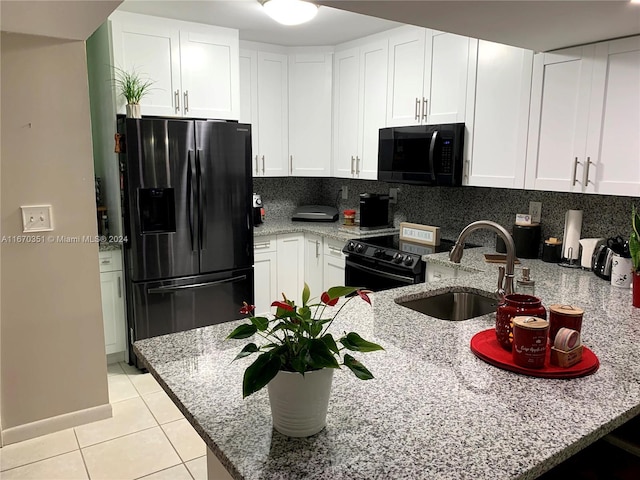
{"x": 132, "y": 87}
{"x": 299, "y": 356}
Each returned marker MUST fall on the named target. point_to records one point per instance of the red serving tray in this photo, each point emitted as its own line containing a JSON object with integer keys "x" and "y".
{"x": 485, "y": 346}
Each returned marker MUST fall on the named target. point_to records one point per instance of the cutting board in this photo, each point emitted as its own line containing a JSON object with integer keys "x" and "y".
{"x": 497, "y": 258}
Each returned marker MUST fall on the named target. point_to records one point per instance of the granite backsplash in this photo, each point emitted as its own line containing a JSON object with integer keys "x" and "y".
{"x": 452, "y": 208}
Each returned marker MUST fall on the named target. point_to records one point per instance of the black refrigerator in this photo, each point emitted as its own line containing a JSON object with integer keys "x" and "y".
{"x": 187, "y": 206}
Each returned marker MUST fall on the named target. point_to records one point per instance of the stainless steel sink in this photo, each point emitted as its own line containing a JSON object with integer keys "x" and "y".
{"x": 454, "y": 305}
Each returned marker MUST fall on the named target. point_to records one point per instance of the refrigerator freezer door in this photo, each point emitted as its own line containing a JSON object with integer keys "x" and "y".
{"x": 223, "y": 160}
{"x": 161, "y": 193}
{"x": 169, "y": 306}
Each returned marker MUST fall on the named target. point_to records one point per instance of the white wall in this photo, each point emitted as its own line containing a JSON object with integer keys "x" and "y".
{"x": 52, "y": 355}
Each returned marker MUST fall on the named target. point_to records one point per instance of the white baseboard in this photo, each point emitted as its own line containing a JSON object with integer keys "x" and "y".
{"x": 115, "y": 357}
{"x": 55, "y": 424}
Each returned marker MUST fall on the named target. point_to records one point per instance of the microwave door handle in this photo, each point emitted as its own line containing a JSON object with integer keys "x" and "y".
{"x": 432, "y": 148}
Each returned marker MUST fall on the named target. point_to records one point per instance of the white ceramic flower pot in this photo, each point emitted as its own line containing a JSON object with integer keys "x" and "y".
{"x": 133, "y": 111}
{"x": 299, "y": 403}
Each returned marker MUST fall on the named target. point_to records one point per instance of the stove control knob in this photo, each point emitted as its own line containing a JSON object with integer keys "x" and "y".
{"x": 359, "y": 248}
{"x": 397, "y": 258}
{"x": 351, "y": 246}
{"x": 378, "y": 252}
{"x": 408, "y": 260}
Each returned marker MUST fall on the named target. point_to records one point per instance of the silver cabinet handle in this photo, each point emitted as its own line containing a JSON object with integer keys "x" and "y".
{"x": 263, "y": 164}
{"x": 105, "y": 261}
{"x": 290, "y": 163}
{"x": 353, "y": 172}
{"x": 334, "y": 249}
{"x": 257, "y": 165}
{"x": 119, "y": 288}
{"x": 424, "y": 108}
{"x": 357, "y": 165}
{"x": 186, "y": 101}
{"x": 575, "y": 171}
{"x": 417, "y": 108}
{"x": 257, "y": 246}
{"x": 317, "y": 248}
{"x": 177, "y": 99}
{"x": 586, "y": 171}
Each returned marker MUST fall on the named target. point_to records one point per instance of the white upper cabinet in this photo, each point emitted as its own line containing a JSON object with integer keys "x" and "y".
{"x": 194, "y": 67}
{"x": 613, "y": 139}
{"x": 558, "y": 119}
{"x": 310, "y": 114}
{"x": 498, "y": 120}
{"x": 273, "y": 115}
{"x": 585, "y": 120}
{"x": 249, "y": 101}
{"x": 427, "y": 77}
{"x": 360, "y": 89}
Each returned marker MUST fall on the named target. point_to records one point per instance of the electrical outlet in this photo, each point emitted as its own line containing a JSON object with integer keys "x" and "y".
{"x": 345, "y": 192}
{"x": 37, "y": 218}
{"x": 393, "y": 195}
{"x": 535, "y": 210}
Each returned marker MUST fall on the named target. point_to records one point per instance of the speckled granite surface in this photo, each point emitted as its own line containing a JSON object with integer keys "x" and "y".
{"x": 107, "y": 247}
{"x": 335, "y": 230}
{"x": 434, "y": 410}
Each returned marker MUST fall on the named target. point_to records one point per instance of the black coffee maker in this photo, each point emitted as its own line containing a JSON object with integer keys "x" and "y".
{"x": 374, "y": 211}
{"x": 257, "y": 209}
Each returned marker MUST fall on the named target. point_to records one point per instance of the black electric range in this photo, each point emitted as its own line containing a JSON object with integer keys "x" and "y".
{"x": 386, "y": 261}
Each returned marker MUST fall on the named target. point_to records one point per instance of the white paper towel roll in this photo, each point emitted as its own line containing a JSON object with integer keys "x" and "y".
{"x": 572, "y": 230}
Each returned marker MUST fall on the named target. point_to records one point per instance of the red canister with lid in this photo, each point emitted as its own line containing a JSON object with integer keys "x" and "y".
{"x": 349, "y": 217}
{"x": 564, "y": 316}
{"x": 515, "y": 305}
{"x": 530, "y": 341}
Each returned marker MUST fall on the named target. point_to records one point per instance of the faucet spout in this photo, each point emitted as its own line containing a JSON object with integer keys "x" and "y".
{"x": 456, "y": 252}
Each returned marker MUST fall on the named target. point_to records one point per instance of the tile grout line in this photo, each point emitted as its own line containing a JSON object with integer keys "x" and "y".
{"x": 36, "y": 461}
{"x": 119, "y": 436}
{"x": 84, "y": 462}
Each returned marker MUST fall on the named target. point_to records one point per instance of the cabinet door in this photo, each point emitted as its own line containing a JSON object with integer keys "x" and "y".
{"x": 613, "y": 142}
{"x": 150, "y": 47}
{"x": 291, "y": 265}
{"x": 501, "y": 118}
{"x": 310, "y": 114}
{"x": 265, "y": 275}
{"x": 210, "y": 74}
{"x": 406, "y": 77}
{"x": 113, "y": 311}
{"x": 333, "y": 264}
{"x": 445, "y": 87}
{"x": 249, "y": 101}
{"x": 313, "y": 262}
{"x": 273, "y": 116}
{"x": 558, "y": 119}
{"x": 373, "y": 106}
{"x": 345, "y": 112}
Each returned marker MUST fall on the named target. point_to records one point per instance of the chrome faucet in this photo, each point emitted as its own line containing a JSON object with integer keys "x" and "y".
{"x": 456, "y": 252}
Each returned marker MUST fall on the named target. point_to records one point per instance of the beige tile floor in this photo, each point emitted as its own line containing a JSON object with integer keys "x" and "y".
{"x": 147, "y": 438}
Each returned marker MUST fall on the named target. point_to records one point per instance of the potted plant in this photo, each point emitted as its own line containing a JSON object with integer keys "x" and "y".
{"x": 132, "y": 88}
{"x": 298, "y": 358}
{"x": 634, "y": 250}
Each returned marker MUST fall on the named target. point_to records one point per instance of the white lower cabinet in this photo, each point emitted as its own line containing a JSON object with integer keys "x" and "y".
{"x": 313, "y": 264}
{"x": 265, "y": 276}
{"x": 291, "y": 265}
{"x": 333, "y": 274}
{"x": 112, "y": 289}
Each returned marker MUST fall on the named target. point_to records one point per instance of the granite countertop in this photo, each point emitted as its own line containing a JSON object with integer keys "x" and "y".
{"x": 434, "y": 410}
{"x": 335, "y": 230}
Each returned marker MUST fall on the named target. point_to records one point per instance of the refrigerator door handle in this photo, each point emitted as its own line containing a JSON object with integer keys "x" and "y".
{"x": 190, "y": 190}
{"x": 180, "y": 288}
{"x": 202, "y": 199}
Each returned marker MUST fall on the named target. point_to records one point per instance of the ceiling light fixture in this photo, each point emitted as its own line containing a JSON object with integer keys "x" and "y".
{"x": 290, "y": 12}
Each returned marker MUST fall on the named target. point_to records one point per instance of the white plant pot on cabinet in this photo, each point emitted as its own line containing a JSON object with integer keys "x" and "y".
{"x": 133, "y": 110}
{"x": 299, "y": 403}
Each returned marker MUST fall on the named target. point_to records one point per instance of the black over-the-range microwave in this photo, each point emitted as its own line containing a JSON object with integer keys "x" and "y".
{"x": 422, "y": 154}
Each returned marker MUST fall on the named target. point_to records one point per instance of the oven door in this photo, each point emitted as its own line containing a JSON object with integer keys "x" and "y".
{"x": 376, "y": 277}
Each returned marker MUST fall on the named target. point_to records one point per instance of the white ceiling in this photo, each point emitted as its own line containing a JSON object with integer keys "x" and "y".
{"x": 329, "y": 27}
{"x": 536, "y": 25}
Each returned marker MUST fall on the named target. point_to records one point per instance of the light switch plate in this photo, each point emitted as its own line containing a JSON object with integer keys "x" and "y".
{"x": 37, "y": 218}
{"x": 535, "y": 210}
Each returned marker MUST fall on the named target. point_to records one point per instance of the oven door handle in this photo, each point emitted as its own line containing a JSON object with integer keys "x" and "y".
{"x": 379, "y": 273}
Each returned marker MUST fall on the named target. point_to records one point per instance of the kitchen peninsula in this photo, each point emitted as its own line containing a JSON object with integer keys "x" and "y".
{"x": 434, "y": 410}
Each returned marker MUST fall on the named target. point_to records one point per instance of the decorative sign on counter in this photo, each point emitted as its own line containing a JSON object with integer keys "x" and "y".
{"x": 425, "y": 234}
